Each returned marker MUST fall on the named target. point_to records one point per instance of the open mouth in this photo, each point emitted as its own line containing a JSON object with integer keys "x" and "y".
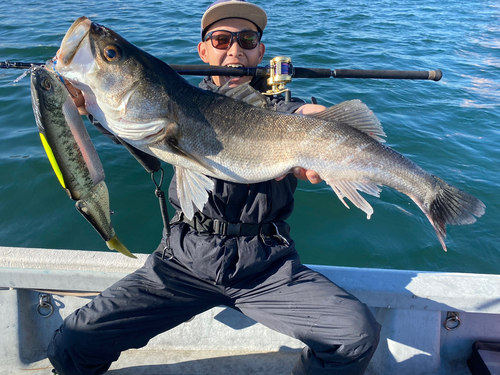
{"x": 72, "y": 40}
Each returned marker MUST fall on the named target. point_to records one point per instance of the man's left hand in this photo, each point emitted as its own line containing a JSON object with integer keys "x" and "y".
{"x": 304, "y": 174}
{"x": 310, "y": 109}
{"x": 307, "y": 174}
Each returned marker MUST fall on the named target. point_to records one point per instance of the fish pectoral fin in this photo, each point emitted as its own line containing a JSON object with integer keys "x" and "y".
{"x": 176, "y": 149}
{"x": 192, "y": 190}
{"x": 356, "y": 114}
{"x": 244, "y": 93}
{"x": 348, "y": 189}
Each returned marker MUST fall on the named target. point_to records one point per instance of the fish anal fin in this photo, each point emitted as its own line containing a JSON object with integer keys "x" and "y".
{"x": 192, "y": 190}
{"x": 349, "y": 190}
{"x": 356, "y": 114}
{"x": 244, "y": 93}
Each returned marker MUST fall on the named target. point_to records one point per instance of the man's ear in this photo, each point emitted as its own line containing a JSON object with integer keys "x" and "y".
{"x": 262, "y": 49}
{"x": 202, "y": 51}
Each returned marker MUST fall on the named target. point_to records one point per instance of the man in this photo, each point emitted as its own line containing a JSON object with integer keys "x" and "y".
{"x": 252, "y": 267}
{"x": 218, "y": 22}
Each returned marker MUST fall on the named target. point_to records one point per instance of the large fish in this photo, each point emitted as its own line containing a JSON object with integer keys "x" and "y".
{"x": 71, "y": 153}
{"x": 142, "y": 100}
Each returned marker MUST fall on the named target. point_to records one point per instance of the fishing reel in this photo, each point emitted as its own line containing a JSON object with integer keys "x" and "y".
{"x": 280, "y": 73}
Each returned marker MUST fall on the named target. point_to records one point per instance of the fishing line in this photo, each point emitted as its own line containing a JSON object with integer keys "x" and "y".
{"x": 31, "y": 66}
{"x": 61, "y": 78}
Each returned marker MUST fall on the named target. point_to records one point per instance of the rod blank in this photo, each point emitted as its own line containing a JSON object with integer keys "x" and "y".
{"x": 200, "y": 70}
{"x": 432, "y": 75}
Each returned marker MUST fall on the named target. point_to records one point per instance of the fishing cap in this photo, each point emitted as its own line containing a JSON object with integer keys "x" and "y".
{"x": 222, "y": 9}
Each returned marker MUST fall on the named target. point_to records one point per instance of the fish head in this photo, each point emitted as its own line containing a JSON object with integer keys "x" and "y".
{"x": 48, "y": 94}
{"x": 117, "y": 80}
{"x": 47, "y": 88}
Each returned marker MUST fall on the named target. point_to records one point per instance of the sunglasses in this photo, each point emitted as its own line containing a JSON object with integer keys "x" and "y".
{"x": 222, "y": 39}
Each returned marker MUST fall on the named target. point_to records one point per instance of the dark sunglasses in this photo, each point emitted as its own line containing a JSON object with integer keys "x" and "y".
{"x": 222, "y": 39}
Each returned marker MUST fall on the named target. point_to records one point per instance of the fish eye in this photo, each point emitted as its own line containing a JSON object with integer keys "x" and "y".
{"x": 112, "y": 53}
{"x": 46, "y": 84}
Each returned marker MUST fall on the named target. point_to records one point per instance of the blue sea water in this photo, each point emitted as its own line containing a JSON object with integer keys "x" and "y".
{"x": 450, "y": 127}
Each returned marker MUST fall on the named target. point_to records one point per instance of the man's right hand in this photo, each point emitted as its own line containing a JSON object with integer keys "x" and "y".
{"x": 76, "y": 95}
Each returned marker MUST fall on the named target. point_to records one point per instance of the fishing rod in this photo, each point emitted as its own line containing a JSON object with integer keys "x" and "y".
{"x": 280, "y": 72}
{"x": 199, "y": 70}
{"x": 195, "y": 70}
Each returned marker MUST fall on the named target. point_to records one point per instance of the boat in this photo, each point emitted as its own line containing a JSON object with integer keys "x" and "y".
{"x": 430, "y": 320}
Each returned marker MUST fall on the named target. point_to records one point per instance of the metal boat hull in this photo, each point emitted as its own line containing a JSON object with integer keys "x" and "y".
{"x": 412, "y": 307}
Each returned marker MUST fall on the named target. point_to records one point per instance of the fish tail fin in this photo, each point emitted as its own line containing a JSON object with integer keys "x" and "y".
{"x": 116, "y": 244}
{"x": 94, "y": 207}
{"x": 450, "y": 206}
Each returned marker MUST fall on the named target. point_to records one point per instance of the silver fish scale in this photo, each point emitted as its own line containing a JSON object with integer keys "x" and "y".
{"x": 207, "y": 134}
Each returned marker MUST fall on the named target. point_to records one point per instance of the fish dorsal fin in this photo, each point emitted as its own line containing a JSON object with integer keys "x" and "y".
{"x": 192, "y": 190}
{"x": 356, "y": 114}
{"x": 348, "y": 189}
{"x": 244, "y": 93}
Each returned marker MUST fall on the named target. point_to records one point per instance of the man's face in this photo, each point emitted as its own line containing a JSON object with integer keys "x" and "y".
{"x": 235, "y": 55}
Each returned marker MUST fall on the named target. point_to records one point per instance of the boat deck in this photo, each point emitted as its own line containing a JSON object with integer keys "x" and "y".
{"x": 412, "y": 307}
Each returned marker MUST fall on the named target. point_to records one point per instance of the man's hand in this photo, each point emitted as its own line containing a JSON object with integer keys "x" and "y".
{"x": 76, "y": 94}
{"x": 310, "y": 109}
{"x": 304, "y": 174}
{"x": 78, "y": 98}
{"x": 307, "y": 174}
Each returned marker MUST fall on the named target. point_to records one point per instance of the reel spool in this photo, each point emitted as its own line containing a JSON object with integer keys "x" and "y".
{"x": 280, "y": 73}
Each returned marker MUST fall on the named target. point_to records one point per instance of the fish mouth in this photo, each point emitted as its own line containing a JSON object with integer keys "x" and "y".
{"x": 71, "y": 42}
